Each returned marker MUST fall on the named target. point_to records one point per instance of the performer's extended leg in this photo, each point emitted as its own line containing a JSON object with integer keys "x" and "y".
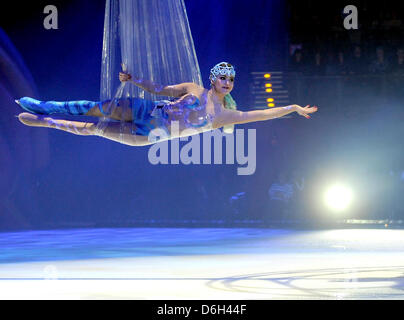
{"x": 120, "y": 111}
{"x": 117, "y": 109}
{"x": 114, "y": 130}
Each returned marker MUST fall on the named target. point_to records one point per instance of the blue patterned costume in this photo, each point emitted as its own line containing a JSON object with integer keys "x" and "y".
{"x": 147, "y": 114}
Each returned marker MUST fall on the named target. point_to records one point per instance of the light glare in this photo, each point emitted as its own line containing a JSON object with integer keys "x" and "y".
{"x": 338, "y": 197}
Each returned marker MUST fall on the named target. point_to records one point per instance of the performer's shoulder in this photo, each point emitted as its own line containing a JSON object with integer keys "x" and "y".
{"x": 194, "y": 88}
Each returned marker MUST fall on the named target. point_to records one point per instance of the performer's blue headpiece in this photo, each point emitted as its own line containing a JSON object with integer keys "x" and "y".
{"x": 222, "y": 69}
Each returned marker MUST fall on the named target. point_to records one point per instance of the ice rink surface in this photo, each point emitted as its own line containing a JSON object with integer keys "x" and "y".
{"x": 202, "y": 263}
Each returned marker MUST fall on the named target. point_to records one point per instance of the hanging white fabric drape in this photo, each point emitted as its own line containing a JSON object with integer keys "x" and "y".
{"x": 153, "y": 41}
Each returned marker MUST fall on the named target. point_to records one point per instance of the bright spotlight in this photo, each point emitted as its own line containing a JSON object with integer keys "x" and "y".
{"x": 338, "y": 197}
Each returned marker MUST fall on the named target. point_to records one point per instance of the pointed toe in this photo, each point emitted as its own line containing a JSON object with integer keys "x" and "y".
{"x": 50, "y": 107}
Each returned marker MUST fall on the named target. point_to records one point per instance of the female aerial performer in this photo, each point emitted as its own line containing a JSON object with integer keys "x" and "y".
{"x": 196, "y": 108}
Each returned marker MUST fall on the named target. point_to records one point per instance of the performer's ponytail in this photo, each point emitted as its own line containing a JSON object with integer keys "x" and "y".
{"x": 229, "y": 103}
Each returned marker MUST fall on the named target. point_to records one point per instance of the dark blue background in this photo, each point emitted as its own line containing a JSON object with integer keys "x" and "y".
{"x": 89, "y": 181}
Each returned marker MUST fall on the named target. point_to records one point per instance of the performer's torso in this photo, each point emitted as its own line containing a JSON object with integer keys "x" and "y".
{"x": 193, "y": 111}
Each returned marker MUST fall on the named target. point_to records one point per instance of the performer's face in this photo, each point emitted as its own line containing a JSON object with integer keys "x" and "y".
{"x": 223, "y": 84}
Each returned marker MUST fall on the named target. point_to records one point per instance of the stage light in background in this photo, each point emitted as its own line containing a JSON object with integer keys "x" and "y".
{"x": 268, "y": 87}
{"x": 338, "y": 197}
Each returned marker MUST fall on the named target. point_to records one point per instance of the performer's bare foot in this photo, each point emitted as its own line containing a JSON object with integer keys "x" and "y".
{"x": 75, "y": 127}
{"x": 32, "y": 120}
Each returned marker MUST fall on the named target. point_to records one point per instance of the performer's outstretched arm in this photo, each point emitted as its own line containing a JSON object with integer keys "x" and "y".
{"x": 228, "y": 117}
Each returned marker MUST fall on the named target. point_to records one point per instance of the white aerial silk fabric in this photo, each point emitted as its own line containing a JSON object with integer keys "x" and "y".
{"x": 150, "y": 39}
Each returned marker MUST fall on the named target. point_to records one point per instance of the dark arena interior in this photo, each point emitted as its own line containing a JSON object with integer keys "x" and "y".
{"x": 288, "y": 209}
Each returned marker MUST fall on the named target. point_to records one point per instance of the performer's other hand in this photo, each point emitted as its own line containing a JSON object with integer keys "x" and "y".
{"x": 124, "y": 77}
{"x": 306, "y": 110}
